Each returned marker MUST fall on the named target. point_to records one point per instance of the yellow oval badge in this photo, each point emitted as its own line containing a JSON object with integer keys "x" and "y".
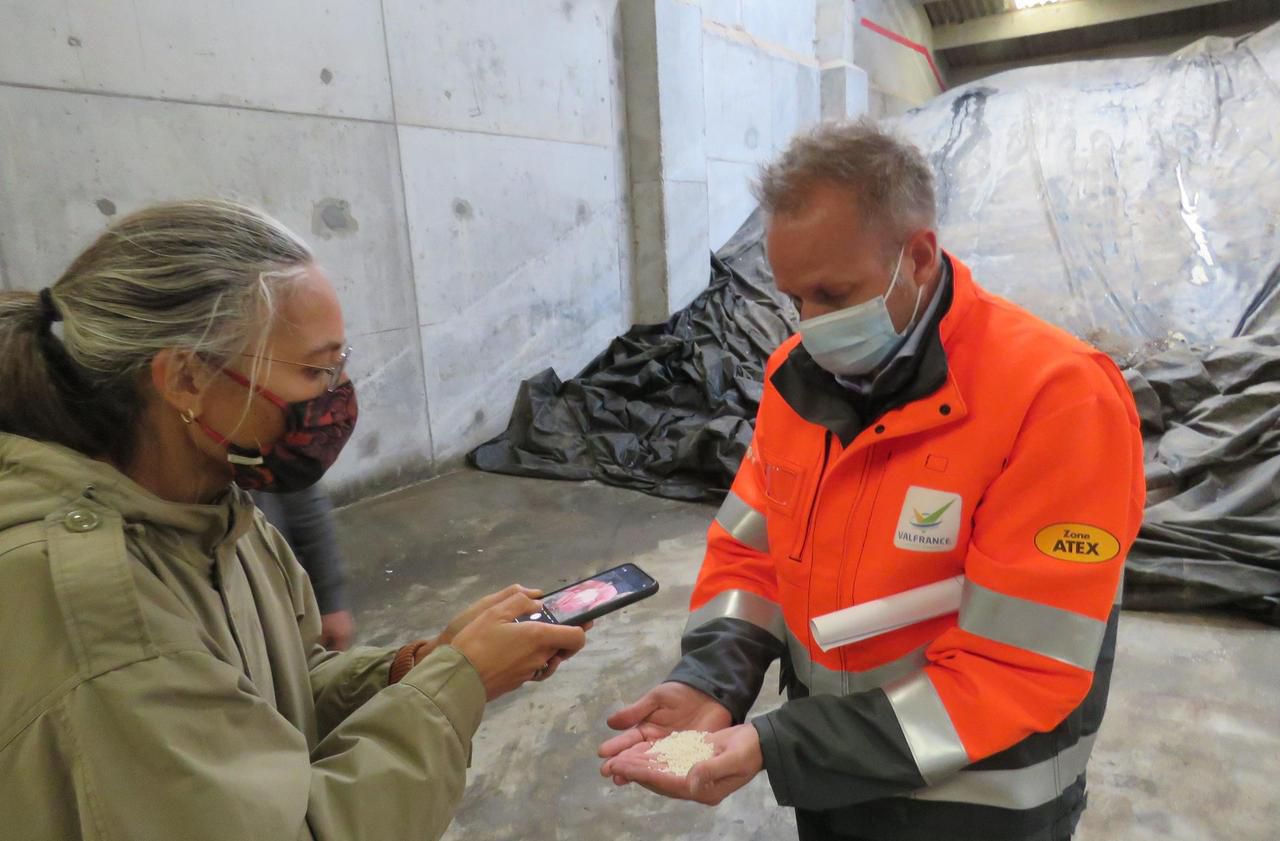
{"x": 1077, "y": 542}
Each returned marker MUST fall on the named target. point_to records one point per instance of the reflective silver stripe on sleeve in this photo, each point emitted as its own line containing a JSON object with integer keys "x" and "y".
{"x": 821, "y": 680}
{"x": 1061, "y": 634}
{"x": 1018, "y": 788}
{"x": 1120, "y": 590}
{"x": 934, "y": 743}
{"x": 744, "y": 523}
{"x": 744, "y": 605}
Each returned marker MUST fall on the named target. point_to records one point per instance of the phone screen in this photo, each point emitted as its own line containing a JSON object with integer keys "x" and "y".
{"x": 595, "y": 594}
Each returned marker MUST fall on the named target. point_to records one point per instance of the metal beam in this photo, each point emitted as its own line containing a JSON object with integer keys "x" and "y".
{"x": 1052, "y": 18}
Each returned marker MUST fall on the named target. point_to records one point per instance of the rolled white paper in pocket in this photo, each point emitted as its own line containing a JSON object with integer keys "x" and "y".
{"x": 870, "y": 619}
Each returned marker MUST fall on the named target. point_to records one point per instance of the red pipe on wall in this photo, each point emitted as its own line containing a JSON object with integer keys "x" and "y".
{"x": 909, "y": 44}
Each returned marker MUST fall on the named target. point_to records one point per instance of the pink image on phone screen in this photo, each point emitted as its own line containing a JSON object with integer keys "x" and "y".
{"x": 580, "y": 598}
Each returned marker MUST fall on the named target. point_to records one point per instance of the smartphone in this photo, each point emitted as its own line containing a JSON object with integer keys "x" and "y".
{"x": 593, "y": 597}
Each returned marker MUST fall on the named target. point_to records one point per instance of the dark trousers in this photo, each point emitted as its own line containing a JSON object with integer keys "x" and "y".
{"x": 813, "y": 826}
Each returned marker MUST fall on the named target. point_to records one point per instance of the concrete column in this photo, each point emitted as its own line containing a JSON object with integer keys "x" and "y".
{"x": 844, "y": 84}
{"x": 666, "y": 121}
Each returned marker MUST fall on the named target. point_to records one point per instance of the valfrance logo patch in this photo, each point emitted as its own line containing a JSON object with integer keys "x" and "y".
{"x": 930, "y": 521}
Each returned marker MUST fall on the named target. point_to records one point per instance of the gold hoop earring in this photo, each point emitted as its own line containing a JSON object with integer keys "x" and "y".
{"x": 188, "y": 416}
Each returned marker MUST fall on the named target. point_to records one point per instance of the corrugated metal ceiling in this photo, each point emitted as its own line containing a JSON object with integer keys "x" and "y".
{"x": 1226, "y": 18}
{"x": 942, "y": 12}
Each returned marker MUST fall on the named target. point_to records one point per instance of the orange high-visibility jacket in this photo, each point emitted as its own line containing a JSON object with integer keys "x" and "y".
{"x": 1022, "y": 472}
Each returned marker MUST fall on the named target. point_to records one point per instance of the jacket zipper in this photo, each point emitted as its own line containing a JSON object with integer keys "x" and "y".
{"x": 813, "y": 504}
{"x": 862, "y": 545}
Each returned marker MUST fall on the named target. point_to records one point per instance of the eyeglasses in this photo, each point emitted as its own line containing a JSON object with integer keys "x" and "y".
{"x": 334, "y": 372}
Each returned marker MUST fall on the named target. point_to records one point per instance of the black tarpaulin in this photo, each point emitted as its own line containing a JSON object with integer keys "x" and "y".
{"x": 1211, "y": 426}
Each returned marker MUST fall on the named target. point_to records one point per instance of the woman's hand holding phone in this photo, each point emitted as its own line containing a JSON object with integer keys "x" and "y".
{"x": 466, "y": 617}
{"x": 507, "y": 653}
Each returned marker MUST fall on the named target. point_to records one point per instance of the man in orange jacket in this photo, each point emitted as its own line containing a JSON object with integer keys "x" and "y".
{"x": 917, "y": 428}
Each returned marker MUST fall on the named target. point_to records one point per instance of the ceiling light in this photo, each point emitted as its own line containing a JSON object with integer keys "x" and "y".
{"x": 1031, "y": 4}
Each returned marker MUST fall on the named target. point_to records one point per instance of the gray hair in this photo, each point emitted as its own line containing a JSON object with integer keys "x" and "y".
{"x": 199, "y": 276}
{"x": 889, "y": 176}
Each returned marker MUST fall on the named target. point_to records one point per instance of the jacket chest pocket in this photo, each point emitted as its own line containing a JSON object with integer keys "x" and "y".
{"x": 789, "y": 489}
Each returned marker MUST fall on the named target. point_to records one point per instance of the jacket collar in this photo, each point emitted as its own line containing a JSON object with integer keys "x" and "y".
{"x": 964, "y": 293}
{"x": 815, "y": 395}
{"x": 68, "y": 475}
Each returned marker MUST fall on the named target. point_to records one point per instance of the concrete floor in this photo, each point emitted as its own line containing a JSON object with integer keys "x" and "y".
{"x": 1190, "y": 750}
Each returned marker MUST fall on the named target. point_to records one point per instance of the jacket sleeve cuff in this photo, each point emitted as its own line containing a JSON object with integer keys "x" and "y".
{"x": 727, "y": 659}
{"x": 773, "y": 764}
{"x": 690, "y": 677}
{"x": 453, "y": 684}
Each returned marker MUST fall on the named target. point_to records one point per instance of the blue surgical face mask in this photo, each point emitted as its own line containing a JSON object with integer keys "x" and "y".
{"x": 854, "y": 341}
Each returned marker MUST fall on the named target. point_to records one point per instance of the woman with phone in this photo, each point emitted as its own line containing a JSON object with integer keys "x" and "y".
{"x": 161, "y": 672}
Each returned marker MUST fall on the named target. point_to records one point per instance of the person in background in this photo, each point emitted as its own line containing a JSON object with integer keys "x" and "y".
{"x": 162, "y": 674}
{"x": 305, "y": 520}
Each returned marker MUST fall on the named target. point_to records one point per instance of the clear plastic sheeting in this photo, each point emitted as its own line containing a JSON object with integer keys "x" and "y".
{"x": 1134, "y": 202}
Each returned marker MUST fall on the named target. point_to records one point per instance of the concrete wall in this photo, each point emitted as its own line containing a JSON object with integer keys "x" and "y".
{"x": 458, "y": 167}
{"x": 760, "y": 87}
{"x": 713, "y": 89}
{"x": 899, "y": 77}
{"x": 495, "y": 187}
